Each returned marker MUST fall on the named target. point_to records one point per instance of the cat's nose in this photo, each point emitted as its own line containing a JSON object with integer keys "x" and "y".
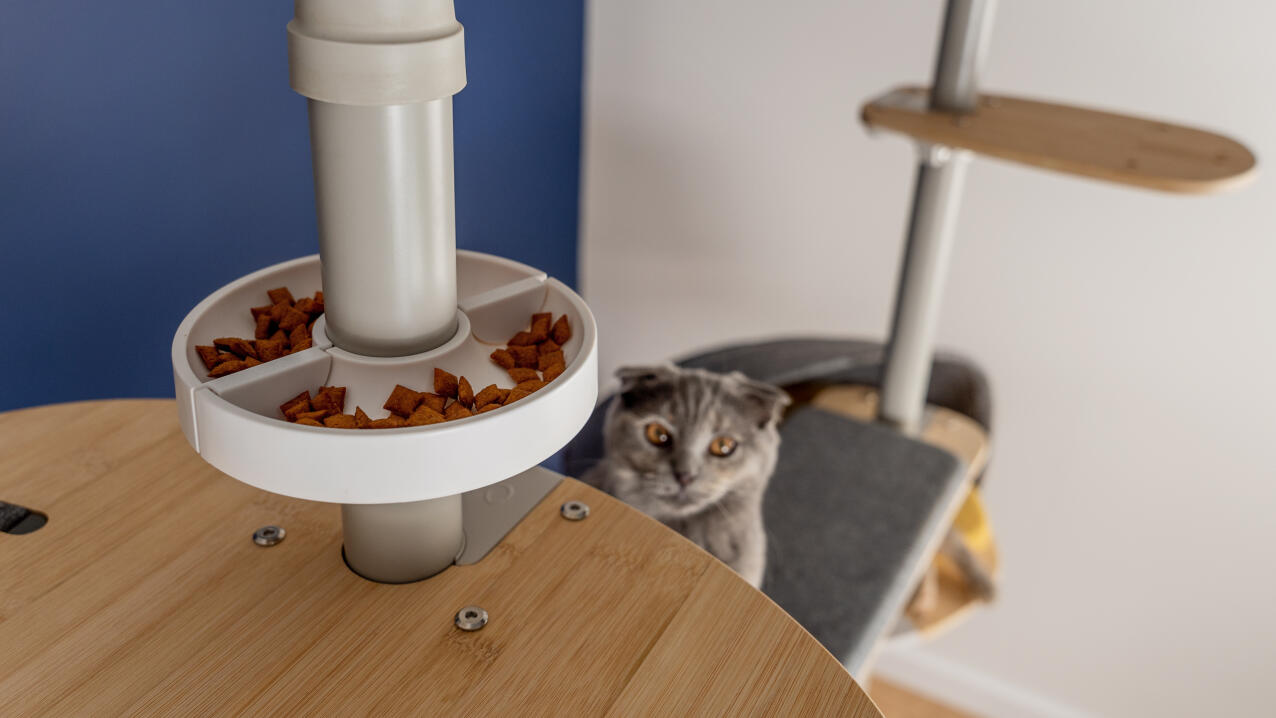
{"x": 684, "y": 477}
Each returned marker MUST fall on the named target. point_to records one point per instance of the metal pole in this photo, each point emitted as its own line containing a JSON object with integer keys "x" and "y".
{"x": 380, "y": 75}
{"x": 936, "y": 197}
{"x": 398, "y": 543}
{"x": 387, "y": 224}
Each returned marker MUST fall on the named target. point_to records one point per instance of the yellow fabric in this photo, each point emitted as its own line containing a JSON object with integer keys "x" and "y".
{"x": 973, "y": 525}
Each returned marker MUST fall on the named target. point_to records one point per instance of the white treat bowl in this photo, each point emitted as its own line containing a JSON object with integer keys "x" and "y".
{"x": 234, "y": 422}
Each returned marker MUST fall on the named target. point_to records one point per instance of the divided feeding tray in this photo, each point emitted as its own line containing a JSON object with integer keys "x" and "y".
{"x": 235, "y": 424}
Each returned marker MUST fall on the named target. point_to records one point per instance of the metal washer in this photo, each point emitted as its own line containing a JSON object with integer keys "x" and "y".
{"x": 471, "y": 618}
{"x": 269, "y": 535}
{"x": 575, "y": 510}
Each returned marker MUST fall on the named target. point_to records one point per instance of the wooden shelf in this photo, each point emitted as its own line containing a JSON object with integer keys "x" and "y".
{"x": 1075, "y": 140}
{"x": 144, "y": 594}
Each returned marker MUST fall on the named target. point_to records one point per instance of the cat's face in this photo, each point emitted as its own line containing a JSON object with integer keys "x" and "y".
{"x": 688, "y": 437}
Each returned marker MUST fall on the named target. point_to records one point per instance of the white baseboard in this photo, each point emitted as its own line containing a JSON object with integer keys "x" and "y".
{"x": 965, "y": 688}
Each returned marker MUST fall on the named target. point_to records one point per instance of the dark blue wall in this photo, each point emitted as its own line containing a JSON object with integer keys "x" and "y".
{"x": 152, "y": 150}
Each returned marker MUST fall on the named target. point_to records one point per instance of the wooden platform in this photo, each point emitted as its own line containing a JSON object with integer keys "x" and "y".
{"x": 1076, "y": 140}
{"x": 145, "y": 594}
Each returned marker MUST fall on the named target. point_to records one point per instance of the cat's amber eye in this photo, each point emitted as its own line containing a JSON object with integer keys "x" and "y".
{"x": 657, "y": 434}
{"x": 722, "y": 446}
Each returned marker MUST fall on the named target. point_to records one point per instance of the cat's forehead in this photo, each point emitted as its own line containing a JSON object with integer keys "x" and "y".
{"x": 692, "y": 397}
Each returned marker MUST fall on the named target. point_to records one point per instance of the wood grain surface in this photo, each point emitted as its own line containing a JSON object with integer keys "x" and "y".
{"x": 1075, "y": 140}
{"x": 145, "y": 595}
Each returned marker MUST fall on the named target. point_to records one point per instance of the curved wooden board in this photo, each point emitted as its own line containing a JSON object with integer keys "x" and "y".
{"x": 145, "y": 594}
{"x": 1075, "y": 140}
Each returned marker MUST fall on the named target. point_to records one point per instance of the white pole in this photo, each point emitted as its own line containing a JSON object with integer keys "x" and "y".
{"x": 937, "y": 195}
{"x": 380, "y": 75}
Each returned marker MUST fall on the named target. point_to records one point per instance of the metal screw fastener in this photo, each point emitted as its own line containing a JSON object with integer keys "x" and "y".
{"x": 471, "y": 618}
{"x": 269, "y": 535}
{"x": 575, "y": 510}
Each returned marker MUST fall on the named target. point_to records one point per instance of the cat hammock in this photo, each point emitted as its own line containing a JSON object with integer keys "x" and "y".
{"x": 857, "y": 507}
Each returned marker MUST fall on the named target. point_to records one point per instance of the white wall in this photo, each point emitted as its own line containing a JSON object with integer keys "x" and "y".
{"x": 730, "y": 192}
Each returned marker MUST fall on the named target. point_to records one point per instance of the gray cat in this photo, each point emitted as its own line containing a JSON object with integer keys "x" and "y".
{"x": 695, "y": 450}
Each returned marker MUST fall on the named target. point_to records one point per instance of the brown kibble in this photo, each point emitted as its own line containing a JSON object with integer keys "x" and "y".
{"x": 319, "y": 415}
{"x": 489, "y": 394}
{"x": 403, "y": 401}
{"x": 434, "y": 401}
{"x": 516, "y": 394}
{"x": 278, "y": 311}
{"x": 445, "y": 383}
{"x": 318, "y": 302}
{"x": 465, "y": 392}
{"x": 425, "y": 415}
{"x": 390, "y": 422}
{"x": 540, "y": 326}
{"x": 249, "y": 362}
{"x": 521, "y": 375}
{"x": 341, "y": 421}
{"x": 208, "y": 355}
{"x": 227, "y": 367}
{"x": 225, "y": 357}
{"x": 263, "y": 326}
{"x": 305, "y": 304}
{"x": 490, "y": 407}
{"x": 298, "y": 335}
{"x": 562, "y": 331}
{"x": 522, "y": 339}
{"x": 332, "y": 398}
{"x": 548, "y": 360}
{"x": 549, "y": 346}
{"x": 280, "y": 336}
{"x": 270, "y": 349}
{"x": 309, "y": 422}
{"x": 279, "y": 295}
{"x": 361, "y": 419}
{"x": 530, "y": 386}
{"x": 525, "y": 357}
{"x": 554, "y": 372}
{"x": 503, "y": 359}
{"x": 258, "y": 311}
{"x": 505, "y": 395}
{"x": 456, "y": 410}
{"x": 239, "y": 347}
{"x": 293, "y": 318}
{"x": 302, "y": 398}
{"x": 301, "y": 347}
{"x": 293, "y": 413}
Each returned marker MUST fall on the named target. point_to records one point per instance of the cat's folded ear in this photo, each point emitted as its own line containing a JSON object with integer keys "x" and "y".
{"x": 638, "y": 382}
{"x": 767, "y": 400}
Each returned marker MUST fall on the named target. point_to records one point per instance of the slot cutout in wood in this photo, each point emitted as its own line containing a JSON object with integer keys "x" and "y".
{"x": 18, "y": 520}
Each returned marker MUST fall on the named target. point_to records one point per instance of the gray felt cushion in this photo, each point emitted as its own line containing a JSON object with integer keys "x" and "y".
{"x": 848, "y": 514}
{"x": 955, "y": 383}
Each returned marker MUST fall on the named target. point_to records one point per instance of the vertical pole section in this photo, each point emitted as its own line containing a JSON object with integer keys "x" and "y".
{"x": 387, "y": 224}
{"x": 936, "y": 197}
{"x": 380, "y": 75}
{"x": 393, "y": 543}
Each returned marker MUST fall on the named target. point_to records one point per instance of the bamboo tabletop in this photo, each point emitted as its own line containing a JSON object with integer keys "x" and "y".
{"x": 145, "y": 594}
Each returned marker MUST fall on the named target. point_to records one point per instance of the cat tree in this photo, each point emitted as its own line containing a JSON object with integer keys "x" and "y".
{"x": 871, "y": 476}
